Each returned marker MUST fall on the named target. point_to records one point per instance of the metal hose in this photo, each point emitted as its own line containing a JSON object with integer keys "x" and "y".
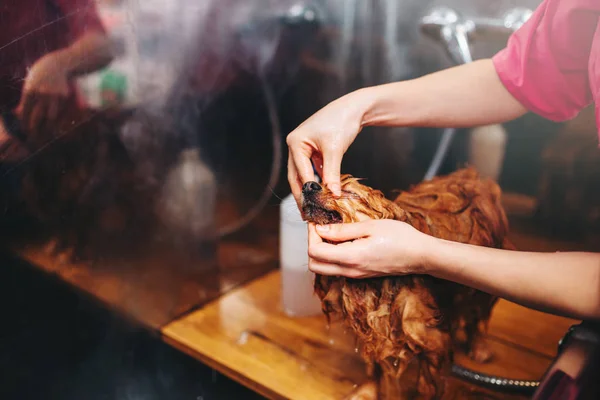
{"x": 275, "y": 166}
{"x": 298, "y": 15}
{"x": 440, "y": 153}
{"x": 520, "y": 386}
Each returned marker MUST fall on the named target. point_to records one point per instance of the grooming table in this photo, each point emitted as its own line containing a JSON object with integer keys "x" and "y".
{"x": 163, "y": 284}
{"x": 246, "y": 336}
{"x": 232, "y": 320}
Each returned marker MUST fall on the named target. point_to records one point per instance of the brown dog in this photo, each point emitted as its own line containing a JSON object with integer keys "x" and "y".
{"x": 413, "y": 322}
{"x": 81, "y": 188}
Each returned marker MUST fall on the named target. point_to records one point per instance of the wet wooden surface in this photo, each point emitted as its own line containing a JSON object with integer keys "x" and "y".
{"x": 246, "y": 335}
{"x": 230, "y": 318}
{"x": 156, "y": 287}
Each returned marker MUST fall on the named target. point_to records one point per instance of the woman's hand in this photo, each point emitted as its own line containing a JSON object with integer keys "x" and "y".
{"x": 323, "y": 139}
{"x": 370, "y": 248}
{"x": 45, "y": 92}
{"x": 11, "y": 150}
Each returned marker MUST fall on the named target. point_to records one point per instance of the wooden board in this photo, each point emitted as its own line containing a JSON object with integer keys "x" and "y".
{"x": 154, "y": 288}
{"x": 246, "y": 336}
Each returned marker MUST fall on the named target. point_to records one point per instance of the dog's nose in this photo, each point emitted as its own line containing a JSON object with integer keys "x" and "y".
{"x": 311, "y": 187}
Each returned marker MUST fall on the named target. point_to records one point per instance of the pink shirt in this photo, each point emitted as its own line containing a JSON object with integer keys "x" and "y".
{"x": 552, "y": 63}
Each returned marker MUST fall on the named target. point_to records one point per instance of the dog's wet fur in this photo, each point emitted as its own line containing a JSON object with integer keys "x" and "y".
{"x": 413, "y": 320}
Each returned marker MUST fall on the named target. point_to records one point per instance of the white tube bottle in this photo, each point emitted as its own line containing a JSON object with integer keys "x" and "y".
{"x": 487, "y": 147}
{"x": 297, "y": 294}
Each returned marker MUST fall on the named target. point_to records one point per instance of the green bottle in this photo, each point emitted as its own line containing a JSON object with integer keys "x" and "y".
{"x": 113, "y": 88}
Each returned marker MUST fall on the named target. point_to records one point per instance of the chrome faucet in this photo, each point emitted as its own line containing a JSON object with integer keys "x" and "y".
{"x": 456, "y": 33}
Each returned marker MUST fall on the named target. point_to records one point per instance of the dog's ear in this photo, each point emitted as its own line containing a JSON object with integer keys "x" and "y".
{"x": 346, "y": 179}
{"x": 384, "y": 207}
{"x": 398, "y": 213}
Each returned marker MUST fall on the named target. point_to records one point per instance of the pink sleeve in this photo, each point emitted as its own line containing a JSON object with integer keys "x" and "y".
{"x": 545, "y": 63}
{"x": 82, "y": 16}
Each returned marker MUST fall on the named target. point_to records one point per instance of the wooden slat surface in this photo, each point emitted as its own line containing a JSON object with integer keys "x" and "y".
{"x": 246, "y": 336}
{"x": 156, "y": 287}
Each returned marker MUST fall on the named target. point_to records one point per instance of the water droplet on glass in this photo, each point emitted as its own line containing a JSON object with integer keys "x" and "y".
{"x": 328, "y": 327}
{"x": 396, "y": 363}
{"x": 355, "y": 386}
{"x": 356, "y": 349}
{"x": 331, "y": 341}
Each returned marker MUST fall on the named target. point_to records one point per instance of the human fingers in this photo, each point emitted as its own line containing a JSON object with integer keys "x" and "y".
{"x": 56, "y": 105}
{"x": 332, "y": 162}
{"x": 25, "y": 107}
{"x": 301, "y": 159}
{"x": 322, "y": 268}
{"x": 344, "y": 232}
{"x": 343, "y": 254}
{"x": 317, "y": 161}
{"x": 313, "y": 236}
{"x": 293, "y": 179}
{"x": 38, "y": 116}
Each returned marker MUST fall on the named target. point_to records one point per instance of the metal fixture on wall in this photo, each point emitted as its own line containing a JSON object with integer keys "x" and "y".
{"x": 456, "y": 34}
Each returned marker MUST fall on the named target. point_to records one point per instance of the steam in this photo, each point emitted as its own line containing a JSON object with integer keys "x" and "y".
{"x": 215, "y": 42}
{"x": 207, "y": 44}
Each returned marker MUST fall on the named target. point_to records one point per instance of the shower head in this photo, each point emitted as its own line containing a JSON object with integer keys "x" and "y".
{"x": 301, "y": 14}
{"x": 516, "y": 17}
{"x": 447, "y": 26}
{"x": 298, "y": 15}
{"x": 456, "y": 33}
{"x": 439, "y": 17}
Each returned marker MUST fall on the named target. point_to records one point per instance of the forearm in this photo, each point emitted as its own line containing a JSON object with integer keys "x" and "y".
{"x": 90, "y": 53}
{"x": 563, "y": 283}
{"x": 464, "y": 96}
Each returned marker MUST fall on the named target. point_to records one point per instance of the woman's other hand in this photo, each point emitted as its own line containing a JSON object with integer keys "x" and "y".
{"x": 45, "y": 92}
{"x": 368, "y": 249}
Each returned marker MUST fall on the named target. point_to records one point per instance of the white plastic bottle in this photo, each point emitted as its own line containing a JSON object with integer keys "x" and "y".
{"x": 297, "y": 293}
{"x": 487, "y": 145}
{"x": 187, "y": 206}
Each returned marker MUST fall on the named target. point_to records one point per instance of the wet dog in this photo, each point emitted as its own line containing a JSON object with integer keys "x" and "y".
{"x": 80, "y": 186}
{"x": 412, "y": 322}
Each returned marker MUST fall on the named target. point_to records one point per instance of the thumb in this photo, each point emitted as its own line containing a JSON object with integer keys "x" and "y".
{"x": 344, "y": 232}
{"x": 332, "y": 163}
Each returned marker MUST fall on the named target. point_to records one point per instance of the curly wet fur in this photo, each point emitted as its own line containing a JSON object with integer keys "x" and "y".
{"x": 421, "y": 319}
{"x": 83, "y": 188}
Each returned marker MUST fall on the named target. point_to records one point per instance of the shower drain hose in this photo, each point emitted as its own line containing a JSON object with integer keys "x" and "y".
{"x": 275, "y": 165}
{"x": 525, "y": 387}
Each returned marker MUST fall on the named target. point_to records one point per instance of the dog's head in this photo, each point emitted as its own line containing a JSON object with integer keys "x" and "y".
{"x": 357, "y": 203}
